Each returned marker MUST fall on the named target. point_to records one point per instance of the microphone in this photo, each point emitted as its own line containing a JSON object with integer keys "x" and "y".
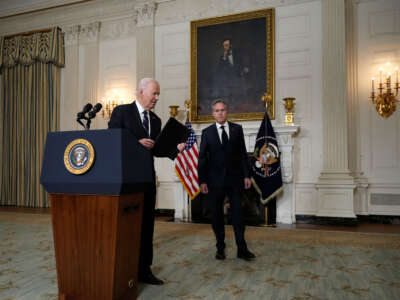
{"x": 95, "y": 110}
{"x": 81, "y": 115}
{"x": 86, "y": 108}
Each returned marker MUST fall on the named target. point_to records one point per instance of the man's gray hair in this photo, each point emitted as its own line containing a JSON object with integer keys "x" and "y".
{"x": 219, "y": 100}
{"x": 144, "y": 82}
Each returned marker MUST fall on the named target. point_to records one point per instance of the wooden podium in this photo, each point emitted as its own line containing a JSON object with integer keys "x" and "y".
{"x": 97, "y": 215}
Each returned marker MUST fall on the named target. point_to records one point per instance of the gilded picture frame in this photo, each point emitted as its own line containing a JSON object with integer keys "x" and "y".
{"x": 232, "y": 58}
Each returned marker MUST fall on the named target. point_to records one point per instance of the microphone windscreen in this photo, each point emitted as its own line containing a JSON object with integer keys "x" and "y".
{"x": 97, "y": 107}
{"x": 87, "y": 108}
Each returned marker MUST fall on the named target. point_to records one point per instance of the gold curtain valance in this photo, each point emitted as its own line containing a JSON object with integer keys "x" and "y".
{"x": 22, "y": 49}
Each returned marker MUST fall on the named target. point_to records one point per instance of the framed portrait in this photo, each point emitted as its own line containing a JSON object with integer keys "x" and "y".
{"x": 232, "y": 58}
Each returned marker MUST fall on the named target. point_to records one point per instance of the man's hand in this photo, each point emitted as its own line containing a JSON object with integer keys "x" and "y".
{"x": 181, "y": 147}
{"x": 147, "y": 143}
{"x": 204, "y": 188}
{"x": 247, "y": 183}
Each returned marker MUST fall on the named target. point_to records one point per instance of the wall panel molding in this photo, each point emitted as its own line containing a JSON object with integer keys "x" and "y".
{"x": 385, "y": 22}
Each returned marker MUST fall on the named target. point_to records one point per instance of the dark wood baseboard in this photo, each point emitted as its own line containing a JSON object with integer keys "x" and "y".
{"x": 379, "y": 219}
{"x": 316, "y": 220}
{"x": 369, "y": 219}
{"x": 165, "y": 212}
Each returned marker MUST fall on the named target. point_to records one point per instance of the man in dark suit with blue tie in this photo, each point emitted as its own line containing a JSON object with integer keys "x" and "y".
{"x": 223, "y": 171}
{"x": 145, "y": 126}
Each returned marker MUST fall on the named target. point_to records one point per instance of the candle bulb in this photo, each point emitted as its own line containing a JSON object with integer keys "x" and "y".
{"x": 389, "y": 77}
{"x": 372, "y": 81}
{"x": 397, "y": 74}
{"x": 380, "y": 74}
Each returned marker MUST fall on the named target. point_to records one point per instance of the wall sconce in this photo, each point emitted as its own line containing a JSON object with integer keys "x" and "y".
{"x": 385, "y": 101}
{"x": 112, "y": 98}
{"x": 108, "y": 107}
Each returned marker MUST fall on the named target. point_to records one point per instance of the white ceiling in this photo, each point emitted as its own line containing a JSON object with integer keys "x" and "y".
{"x": 14, "y": 7}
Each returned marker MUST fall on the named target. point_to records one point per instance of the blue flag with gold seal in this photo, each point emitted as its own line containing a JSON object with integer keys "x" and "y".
{"x": 265, "y": 163}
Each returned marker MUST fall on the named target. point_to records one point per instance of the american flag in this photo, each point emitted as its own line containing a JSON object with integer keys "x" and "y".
{"x": 186, "y": 164}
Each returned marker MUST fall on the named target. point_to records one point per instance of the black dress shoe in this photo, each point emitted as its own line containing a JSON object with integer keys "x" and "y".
{"x": 149, "y": 278}
{"x": 220, "y": 255}
{"x": 245, "y": 254}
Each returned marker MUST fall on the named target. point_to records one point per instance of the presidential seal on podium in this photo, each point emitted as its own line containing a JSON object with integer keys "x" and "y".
{"x": 79, "y": 156}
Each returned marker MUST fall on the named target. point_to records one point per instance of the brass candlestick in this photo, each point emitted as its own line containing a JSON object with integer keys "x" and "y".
{"x": 173, "y": 110}
{"x": 289, "y": 106}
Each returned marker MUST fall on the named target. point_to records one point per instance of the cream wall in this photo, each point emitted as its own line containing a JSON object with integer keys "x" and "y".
{"x": 111, "y": 44}
{"x": 379, "y": 41}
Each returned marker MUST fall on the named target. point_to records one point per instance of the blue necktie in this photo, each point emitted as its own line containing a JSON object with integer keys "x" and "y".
{"x": 146, "y": 122}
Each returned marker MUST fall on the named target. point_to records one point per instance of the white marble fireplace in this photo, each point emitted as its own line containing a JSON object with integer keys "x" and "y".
{"x": 285, "y": 201}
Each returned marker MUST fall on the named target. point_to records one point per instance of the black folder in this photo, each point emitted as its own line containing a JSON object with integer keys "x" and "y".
{"x": 171, "y": 135}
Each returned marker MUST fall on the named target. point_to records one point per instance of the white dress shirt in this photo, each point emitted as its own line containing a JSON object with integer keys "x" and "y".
{"x": 230, "y": 58}
{"x": 219, "y": 129}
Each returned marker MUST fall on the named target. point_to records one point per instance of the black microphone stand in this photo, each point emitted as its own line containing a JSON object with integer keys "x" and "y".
{"x": 79, "y": 120}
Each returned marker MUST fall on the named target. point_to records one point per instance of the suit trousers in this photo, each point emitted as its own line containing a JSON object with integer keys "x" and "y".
{"x": 216, "y": 198}
{"x": 146, "y": 239}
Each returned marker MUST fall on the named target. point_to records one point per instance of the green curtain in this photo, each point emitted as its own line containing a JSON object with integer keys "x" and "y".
{"x": 30, "y": 67}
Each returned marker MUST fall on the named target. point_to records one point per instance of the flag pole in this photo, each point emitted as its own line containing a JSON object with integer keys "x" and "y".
{"x": 266, "y": 98}
{"x": 187, "y": 104}
{"x": 189, "y": 214}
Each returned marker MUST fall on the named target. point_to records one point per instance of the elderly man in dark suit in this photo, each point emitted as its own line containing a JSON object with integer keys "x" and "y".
{"x": 145, "y": 126}
{"x": 223, "y": 171}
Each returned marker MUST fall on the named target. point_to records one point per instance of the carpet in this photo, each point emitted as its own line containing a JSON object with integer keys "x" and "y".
{"x": 290, "y": 264}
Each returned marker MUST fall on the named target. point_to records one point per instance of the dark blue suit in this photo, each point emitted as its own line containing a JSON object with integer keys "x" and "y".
{"x": 223, "y": 169}
{"x": 127, "y": 116}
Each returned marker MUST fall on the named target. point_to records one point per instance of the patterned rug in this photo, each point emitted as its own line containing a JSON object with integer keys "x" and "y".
{"x": 290, "y": 264}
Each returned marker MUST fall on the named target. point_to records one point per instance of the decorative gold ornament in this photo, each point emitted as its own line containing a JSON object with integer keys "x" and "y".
{"x": 269, "y": 104}
{"x": 79, "y": 156}
{"x": 173, "y": 110}
{"x": 188, "y": 104}
{"x": 385, "y": 101}
{"x": 289, "y": 106}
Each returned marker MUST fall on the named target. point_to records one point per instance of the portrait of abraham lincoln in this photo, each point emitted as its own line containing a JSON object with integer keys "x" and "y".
{"x": 232, "y": 61}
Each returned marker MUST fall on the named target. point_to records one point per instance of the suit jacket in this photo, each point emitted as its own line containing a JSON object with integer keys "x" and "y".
{"x": 223, "y": 166}
{"x": 127, "y": 116}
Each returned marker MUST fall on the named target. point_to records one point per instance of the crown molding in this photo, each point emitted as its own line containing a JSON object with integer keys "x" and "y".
{"x": 82, "y": 13}
{"x": 172, "y": 12}
{"x": 10, "y": 8}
